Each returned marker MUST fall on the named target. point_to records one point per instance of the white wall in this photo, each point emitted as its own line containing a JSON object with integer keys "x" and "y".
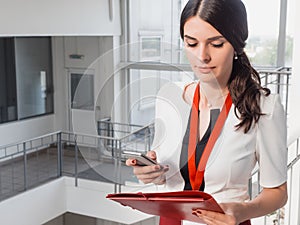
{"x": 98, "y": 60}
{"x": 36, "y": 206}
{"x": 44, "y": 203}
{"x": 26, "y": 129}
{"x": 55, "y": 17}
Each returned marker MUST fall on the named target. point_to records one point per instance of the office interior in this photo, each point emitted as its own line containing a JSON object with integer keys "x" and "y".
{"x": 78, "y": 83}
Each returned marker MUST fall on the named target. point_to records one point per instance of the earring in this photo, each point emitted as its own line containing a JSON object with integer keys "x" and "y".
{"x": 235, "y": 56}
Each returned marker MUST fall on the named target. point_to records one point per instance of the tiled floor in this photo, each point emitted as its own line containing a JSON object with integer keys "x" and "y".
{"x": 42, "y": 166}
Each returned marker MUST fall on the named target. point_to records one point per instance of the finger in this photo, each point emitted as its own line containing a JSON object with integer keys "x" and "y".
{"x": 157, "y": 180}
{"x": 206, "y": 219}
{"x": 210, "y": 221}
{"x": 160, "y": 180}
{"x": 140, "y": 170}
{"x": 151, "y": 154}
{"x": 131, "y": 162}
{"x": 152, "y": 175}
{"x": 137, "y": 170}
{"x": 216, "y": 218}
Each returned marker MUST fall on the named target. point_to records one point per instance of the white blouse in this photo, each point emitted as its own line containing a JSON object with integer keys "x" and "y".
{"x": 235, "y": 153}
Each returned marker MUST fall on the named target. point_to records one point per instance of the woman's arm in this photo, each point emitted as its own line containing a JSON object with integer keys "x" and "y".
{"x": 269, "y": 200}
{"x": 266, "y": 202}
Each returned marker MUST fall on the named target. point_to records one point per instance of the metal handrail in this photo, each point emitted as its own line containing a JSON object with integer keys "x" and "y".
{"x": 138, "y": 130}
{"x": 22, "y": 149}
{"x": 28, "y": 140}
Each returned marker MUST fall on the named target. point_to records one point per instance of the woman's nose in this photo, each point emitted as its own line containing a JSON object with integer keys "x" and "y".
{"x": 203, "y": 54}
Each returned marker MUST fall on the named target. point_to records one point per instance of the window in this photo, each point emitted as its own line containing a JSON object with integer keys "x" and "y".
{"x": 144, "y": 86}
{"x": 26, "y": 77}
{"x": 8, "y": 92}
{"x": 263, "y": 28}
{"x": 154, "y": 22}
{"x": 34, "y": 76}
{"x": 290, "y": 32}
{"x": 148, "y": 81}
{"x": 150, "y": 48}
{"x": 154, "y": 31}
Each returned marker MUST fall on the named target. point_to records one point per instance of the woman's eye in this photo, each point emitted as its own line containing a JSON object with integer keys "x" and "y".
{"x": 191, "y": 44}
{"x": 217, "y": 45}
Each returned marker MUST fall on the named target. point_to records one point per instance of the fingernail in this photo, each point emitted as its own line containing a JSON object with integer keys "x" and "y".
{"x": 157, "y": 167}
{"x": 198, "y": 211}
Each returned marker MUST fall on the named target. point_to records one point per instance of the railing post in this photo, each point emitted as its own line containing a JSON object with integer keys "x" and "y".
{"x": 119, "y": 179}
{"x": 278, "y": 216}
{"x": 250, "y": 188}
{"x": 25, "y": 166}
{"x": 76, "y": 161}
{"x": 147, "y": 139}
{"x": 287, "y": 93}
{"x": 279, "y": 84}
{"x": 59, "y": 155}
{"x": 115, "y": 165}
{"x": 258, "y": 182}
{"x": 266, "y": 80}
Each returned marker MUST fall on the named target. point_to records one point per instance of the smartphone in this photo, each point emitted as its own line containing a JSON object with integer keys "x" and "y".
{"x": 141, "y": 159}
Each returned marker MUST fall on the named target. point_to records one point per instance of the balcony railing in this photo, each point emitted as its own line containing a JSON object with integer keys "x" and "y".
{"x": 278, "y": 81}
{"x": 33, "y": 162}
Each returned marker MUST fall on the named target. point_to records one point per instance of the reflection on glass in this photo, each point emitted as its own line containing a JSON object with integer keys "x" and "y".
{"x": 263, "y": 31}
{"x": 148, "y": 18}
{"x": 151, "y": 48}
{"x": 33, "y": 76}
{"x": 82, "y": 91}
{"x": 144, "y": 86}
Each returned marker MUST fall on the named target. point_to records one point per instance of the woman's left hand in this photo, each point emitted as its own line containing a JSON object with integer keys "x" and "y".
{"x": 268, "y": 200}
{"x": 231, "y": 216}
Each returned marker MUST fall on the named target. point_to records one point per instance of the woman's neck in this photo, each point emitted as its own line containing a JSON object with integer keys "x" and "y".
{"x": 213, "y": 96}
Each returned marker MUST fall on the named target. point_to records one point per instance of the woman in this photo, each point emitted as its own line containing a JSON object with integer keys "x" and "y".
{"x": 252, "y": 130}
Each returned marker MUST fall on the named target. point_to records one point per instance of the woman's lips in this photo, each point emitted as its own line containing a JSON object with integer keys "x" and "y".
{"x": 203, "y": 69}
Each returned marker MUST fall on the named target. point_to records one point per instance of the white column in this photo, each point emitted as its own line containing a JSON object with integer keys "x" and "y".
{"x": 294, "y": 95}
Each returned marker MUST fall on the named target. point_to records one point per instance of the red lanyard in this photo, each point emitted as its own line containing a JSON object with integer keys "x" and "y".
{"x": 196, "y": 174}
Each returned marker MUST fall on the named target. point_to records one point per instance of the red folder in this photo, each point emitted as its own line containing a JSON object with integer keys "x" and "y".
{"x": 175, "y": 205}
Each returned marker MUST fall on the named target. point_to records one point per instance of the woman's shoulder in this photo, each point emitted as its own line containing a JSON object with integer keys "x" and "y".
{"x": 188, "y": 92}
{"x": 270, "y": 103}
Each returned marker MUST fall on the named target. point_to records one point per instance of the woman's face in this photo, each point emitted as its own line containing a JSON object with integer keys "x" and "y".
{"x": 210, "y": 54}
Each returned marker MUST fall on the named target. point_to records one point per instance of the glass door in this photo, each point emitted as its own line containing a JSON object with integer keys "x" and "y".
{"x": 81, "y": 101}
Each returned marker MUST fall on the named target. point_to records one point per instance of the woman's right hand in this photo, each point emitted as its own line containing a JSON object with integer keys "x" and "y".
{"x": 149, "y": 174}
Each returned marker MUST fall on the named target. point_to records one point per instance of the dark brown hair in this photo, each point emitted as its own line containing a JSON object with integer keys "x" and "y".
{"x": 229, "y": 17}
